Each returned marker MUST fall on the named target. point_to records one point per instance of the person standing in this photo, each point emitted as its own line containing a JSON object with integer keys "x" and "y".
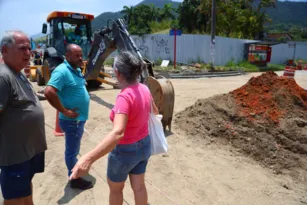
{"x": 66, "y": 91}
{"x": 22, "y": 129}
{"x": 129, "y": 141}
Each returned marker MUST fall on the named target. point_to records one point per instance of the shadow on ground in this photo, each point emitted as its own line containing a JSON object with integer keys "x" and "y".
{"x": 100, "y": 101}
{"x": 70, "y": 194}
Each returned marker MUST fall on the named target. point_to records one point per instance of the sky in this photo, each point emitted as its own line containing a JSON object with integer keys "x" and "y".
{"x": 29, "y": 15}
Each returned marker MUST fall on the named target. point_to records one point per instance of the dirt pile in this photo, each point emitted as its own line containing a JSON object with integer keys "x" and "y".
{"x": 265, "y": 119}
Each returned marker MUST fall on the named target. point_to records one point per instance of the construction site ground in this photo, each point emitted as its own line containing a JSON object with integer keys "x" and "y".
{"x": 194, "y": 171}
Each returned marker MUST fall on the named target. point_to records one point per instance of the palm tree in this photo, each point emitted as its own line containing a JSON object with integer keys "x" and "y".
{"x": 128, "y": 12}
{"x": 167, "y": 12}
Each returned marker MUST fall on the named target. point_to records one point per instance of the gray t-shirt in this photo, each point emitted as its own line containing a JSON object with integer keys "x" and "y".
{"x": 22, "y": 126}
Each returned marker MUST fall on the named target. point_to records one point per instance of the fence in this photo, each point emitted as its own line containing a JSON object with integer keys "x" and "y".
{"x": 196, "y": 48}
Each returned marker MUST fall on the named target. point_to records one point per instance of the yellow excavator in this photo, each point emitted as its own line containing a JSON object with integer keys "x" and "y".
{"x": 71, "y": 27}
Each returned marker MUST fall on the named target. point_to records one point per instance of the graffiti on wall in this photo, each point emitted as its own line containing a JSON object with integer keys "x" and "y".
{"x": 140, "y": 43}
{"x": 162, "y": 46}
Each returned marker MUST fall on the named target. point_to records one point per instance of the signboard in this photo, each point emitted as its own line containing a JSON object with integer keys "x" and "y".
{"x": 164, "y": 63}
{"x": 172, "y": 32}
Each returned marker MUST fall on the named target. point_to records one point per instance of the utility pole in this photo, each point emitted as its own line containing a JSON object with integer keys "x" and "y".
{"x": 213, "y": 24}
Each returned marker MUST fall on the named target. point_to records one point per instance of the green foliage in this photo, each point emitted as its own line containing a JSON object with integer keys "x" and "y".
{"x": 109, "y": 61}
{"x": 299, "y": 33}
{"x": 144, "y": 19}
{"x": 230, "y": 63}
{"x": 275, "y": 67}
{"x": 158, "y": 26}
{"x": 101, "y": 21}
{"x": 239, "y": 20}
{"x": 248, "y": 67}
{"x": 288, "y": 13}
{"x": 158, "y": 62}
{"x": 160, "y": 3}
{"x": 41, "y": 40}
{"x": 236, "y": 19}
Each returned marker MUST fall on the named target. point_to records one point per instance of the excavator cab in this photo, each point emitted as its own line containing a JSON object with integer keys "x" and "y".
{"x": 73, "y": 28}
{"x": 67, "y": 28}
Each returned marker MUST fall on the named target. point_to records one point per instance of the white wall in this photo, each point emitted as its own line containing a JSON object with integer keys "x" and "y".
{"x": 196, "y": 48}
{"x": 281, "y": 52}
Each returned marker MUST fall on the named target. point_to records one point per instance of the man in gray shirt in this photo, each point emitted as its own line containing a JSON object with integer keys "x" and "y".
{"x": 22, "y": 129}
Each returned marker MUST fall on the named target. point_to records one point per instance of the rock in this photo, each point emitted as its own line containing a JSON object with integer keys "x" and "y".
{"x": 197, "y": 65}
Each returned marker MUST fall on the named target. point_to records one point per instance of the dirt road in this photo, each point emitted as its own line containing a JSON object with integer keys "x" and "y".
{"x": 193, "y": 172}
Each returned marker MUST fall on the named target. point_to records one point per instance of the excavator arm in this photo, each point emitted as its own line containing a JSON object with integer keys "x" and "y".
{"x": 117, "y": 37}
{"x": 107, "y": 41}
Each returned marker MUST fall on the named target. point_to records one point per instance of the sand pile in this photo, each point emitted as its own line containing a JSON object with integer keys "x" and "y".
{"x": 265, "y": 119}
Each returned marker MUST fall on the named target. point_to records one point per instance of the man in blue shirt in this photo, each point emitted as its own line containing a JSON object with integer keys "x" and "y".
{"x": 66, "y": 91}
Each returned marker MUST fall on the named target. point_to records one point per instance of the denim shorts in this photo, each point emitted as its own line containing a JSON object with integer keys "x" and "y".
{"x": 128, "y": 159}
{"x": 16, "y": 179}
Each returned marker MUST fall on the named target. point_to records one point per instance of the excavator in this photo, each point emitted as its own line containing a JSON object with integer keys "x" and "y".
{"x": 71, "y": 27}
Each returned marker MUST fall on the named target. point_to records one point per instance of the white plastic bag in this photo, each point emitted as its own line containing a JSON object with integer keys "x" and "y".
{"x": 158, "y": 140}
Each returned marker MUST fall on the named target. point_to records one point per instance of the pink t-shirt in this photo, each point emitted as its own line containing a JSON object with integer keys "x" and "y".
{"x": 133, "y": 101}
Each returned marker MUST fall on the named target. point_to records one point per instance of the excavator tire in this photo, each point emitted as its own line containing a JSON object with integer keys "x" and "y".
{"x": 39, "y": 77}
{"x": 93, "y": 84}
{"x": 163, "y": 94}
{"x": 49, "y": 65}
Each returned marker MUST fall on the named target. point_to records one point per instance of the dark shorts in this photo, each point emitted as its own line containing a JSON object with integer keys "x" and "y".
{"x": 16, "y": 180}
{"x": 128, "y": 159}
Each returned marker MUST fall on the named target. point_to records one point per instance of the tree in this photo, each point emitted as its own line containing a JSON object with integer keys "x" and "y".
{"x": 167, "y": 12}
{"x": 239, "y": 19}
{"x": 128, "y": 13}
{"x": 188, "y": 15}
{"x": 140, "y": 19}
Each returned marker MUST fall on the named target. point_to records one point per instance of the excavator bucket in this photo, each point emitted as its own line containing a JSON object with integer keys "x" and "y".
{"x": 163, "y": 94}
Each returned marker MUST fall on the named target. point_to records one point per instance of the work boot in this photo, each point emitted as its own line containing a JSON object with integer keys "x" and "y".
{"x": 80, "y": 184}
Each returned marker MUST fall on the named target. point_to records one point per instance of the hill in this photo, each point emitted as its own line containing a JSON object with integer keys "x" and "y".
{"x": 39, "y": 35}
{"x": 101, "y": 20}
{"x": 159, "y": 3}
{"x": 288, "y": 12}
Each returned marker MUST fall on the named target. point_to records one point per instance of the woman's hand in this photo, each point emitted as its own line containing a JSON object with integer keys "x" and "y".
{"x": 81, "y": 168}
{"x": 108, "y": 143}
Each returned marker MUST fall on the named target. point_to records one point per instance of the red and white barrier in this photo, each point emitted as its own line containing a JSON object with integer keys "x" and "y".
{"x": 289, "y": 72}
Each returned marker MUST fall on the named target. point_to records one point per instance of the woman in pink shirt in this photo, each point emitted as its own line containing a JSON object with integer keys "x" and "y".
{"x": 129, "y": 141}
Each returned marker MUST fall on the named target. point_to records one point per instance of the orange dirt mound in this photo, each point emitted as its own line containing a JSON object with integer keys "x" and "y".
{"x": 269, "y": 97}
{"x": 265, "y": 119}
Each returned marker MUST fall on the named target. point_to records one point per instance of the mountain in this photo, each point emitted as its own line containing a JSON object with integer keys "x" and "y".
{"x": 101, "y": 20}
{"x": 36, "y": 36}
{"x": 159, "y": 3}
{"x": 289, "y": 12}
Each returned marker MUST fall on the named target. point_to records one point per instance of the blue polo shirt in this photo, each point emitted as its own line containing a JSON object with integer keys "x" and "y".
{"x": 71, "y": 90}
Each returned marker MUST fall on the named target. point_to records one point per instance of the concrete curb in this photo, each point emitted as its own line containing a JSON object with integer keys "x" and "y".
{"x": 205, "y": 75}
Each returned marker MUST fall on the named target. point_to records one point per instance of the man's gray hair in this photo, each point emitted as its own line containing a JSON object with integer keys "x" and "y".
{"x": 8, "y": 39}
